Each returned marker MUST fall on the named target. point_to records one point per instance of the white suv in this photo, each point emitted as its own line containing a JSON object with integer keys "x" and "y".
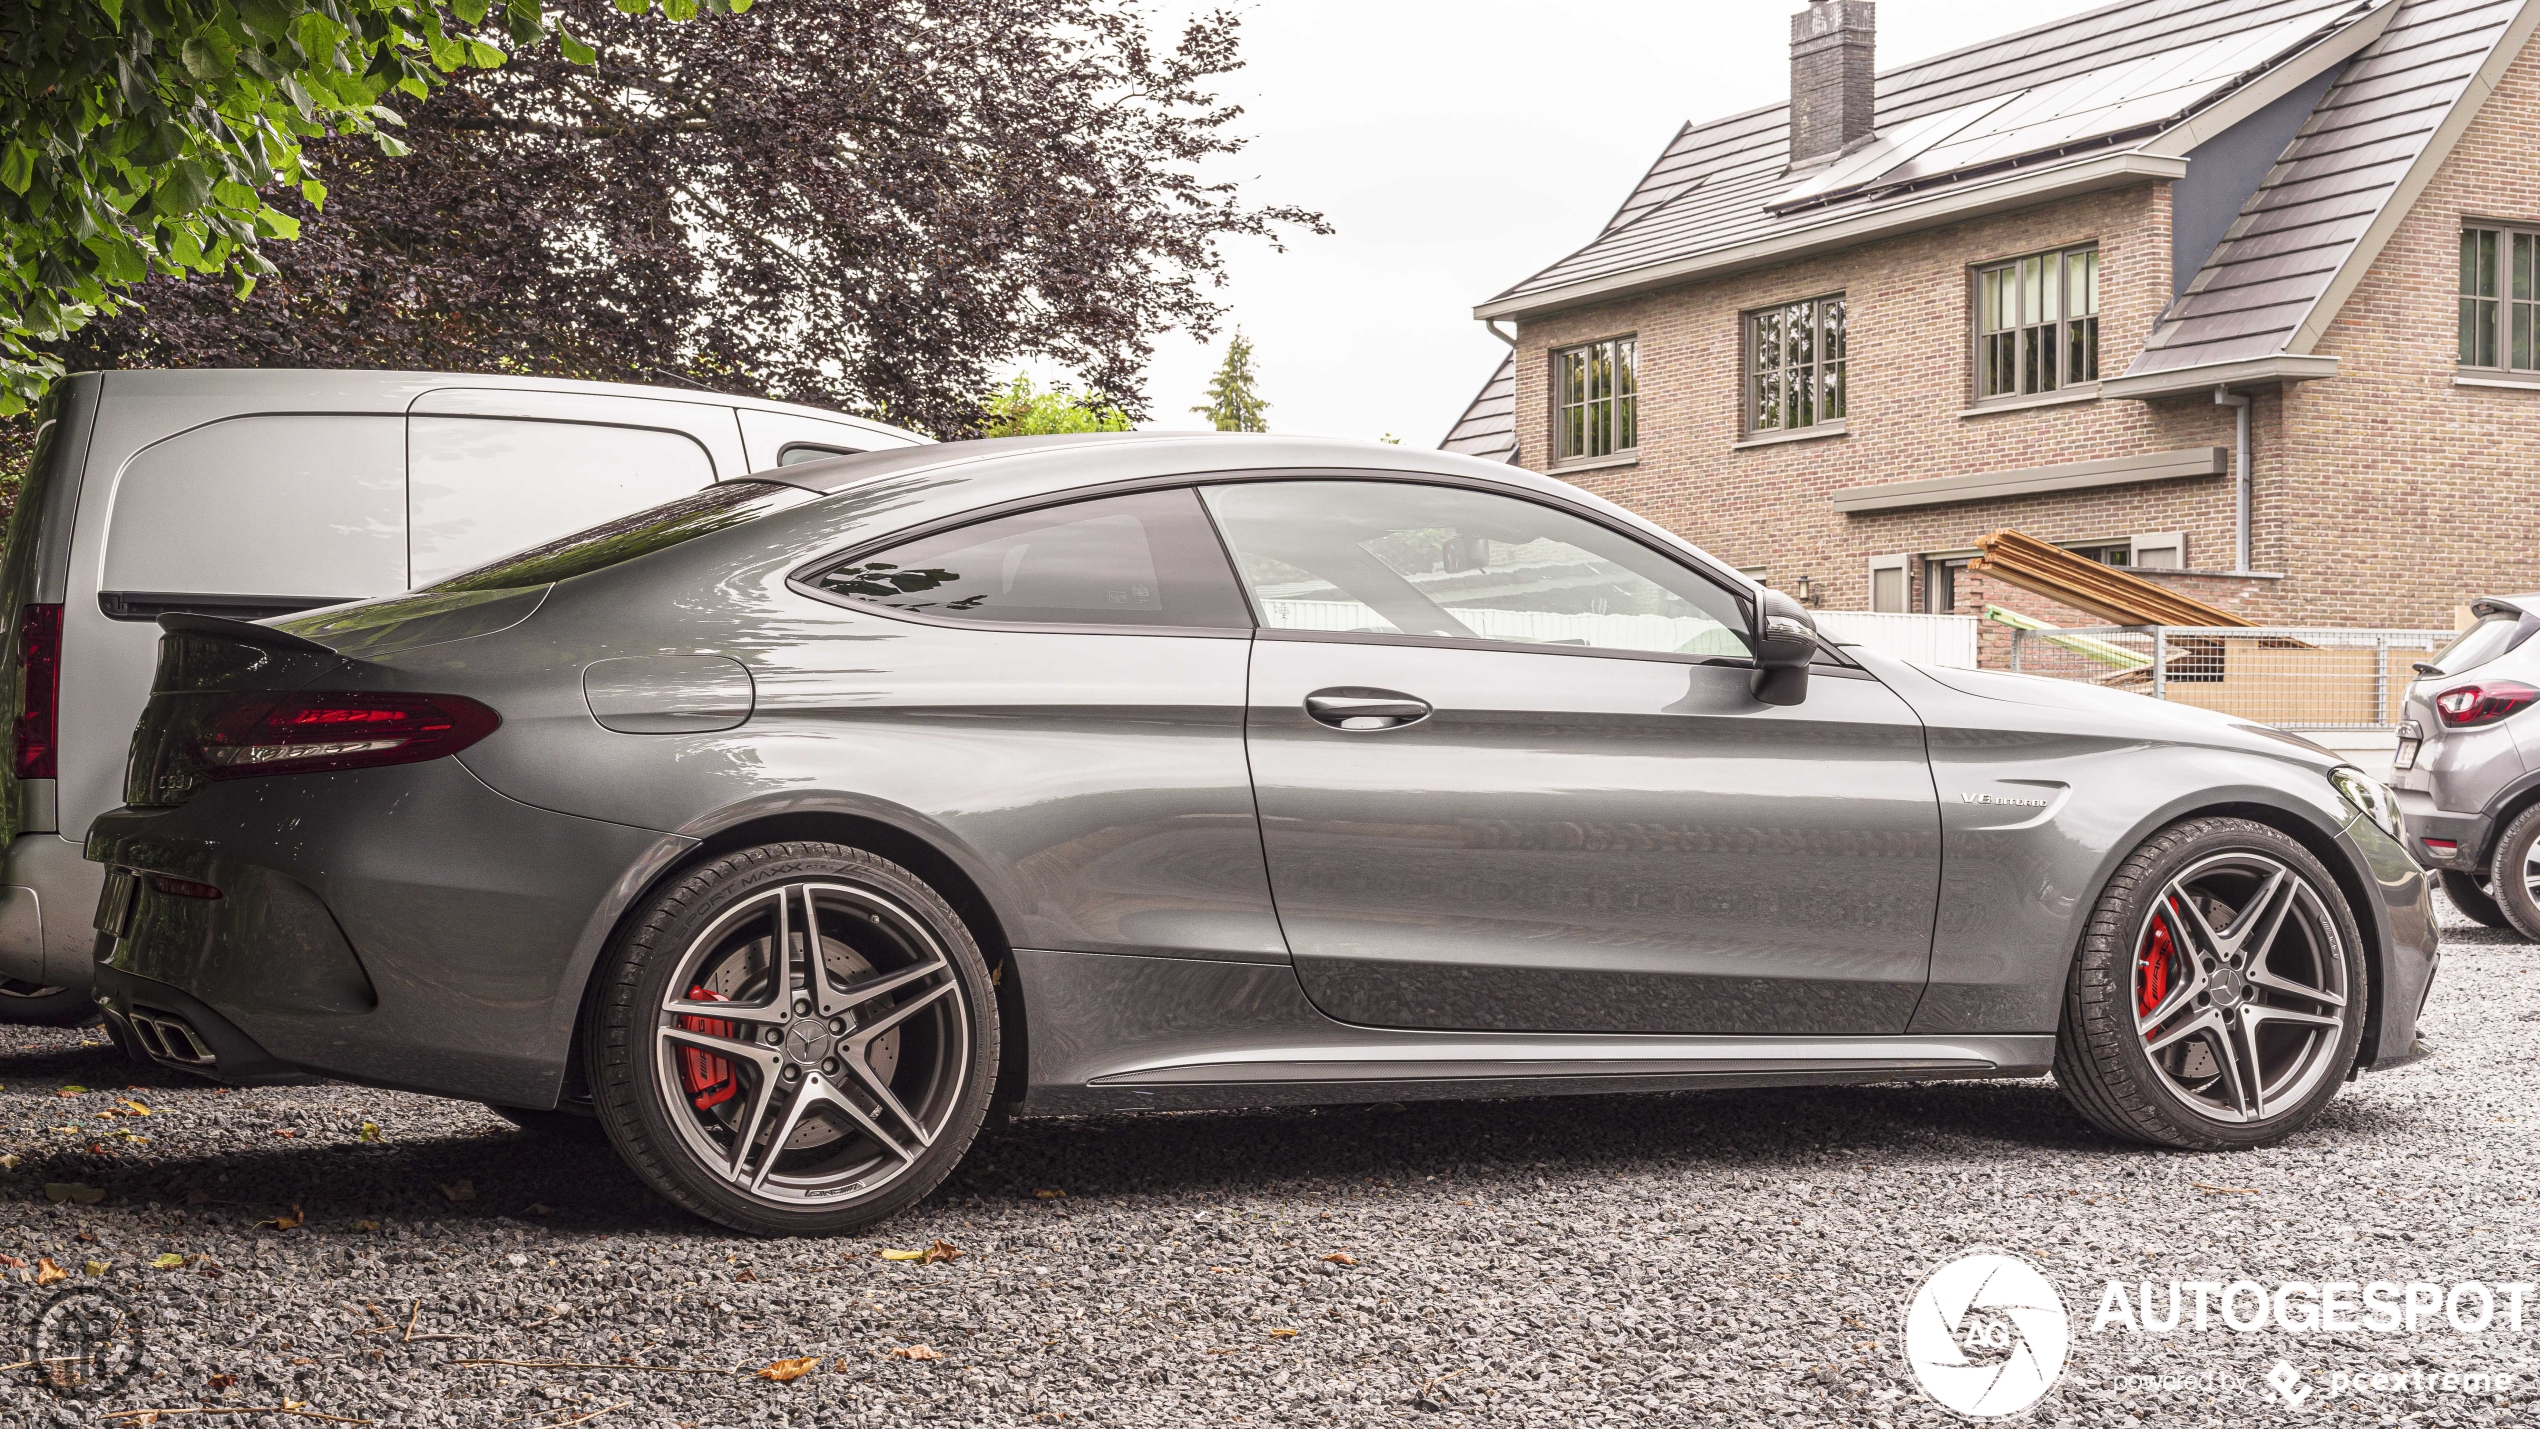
{"x": 258, "y": 493}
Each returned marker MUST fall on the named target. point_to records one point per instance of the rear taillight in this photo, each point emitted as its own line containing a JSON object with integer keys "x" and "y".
{"x": 34, "y": 735}
{"x": 311, "y": 733}
{"x": 2469, "y": 706}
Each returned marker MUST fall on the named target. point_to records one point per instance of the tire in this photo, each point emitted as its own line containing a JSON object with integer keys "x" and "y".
{"x": 2513, "y": 873}
{"x": 27, "y": 1005}
{"x": 2472, "y": 899}
{"x": 846, "y": 1107}
{"x": 2178, "y": 1071}
{"x": 557, "y": 1124}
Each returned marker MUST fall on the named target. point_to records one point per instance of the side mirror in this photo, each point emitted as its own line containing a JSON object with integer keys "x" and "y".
{"x": 1785, "y": 641}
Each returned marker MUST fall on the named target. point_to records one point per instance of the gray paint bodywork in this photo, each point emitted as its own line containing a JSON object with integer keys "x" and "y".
{"x": 2465, "y": 784}
{"x": 1862, "y": 912}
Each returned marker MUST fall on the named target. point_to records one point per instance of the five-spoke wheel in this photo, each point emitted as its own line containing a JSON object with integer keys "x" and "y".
{"x": 2218, "y": 998}
{"x": 801, "y": 1038}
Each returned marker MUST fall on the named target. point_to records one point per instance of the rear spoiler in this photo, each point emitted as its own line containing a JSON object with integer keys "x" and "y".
{"x": 2486, "y": 606}
{"x": 186, "y": 622}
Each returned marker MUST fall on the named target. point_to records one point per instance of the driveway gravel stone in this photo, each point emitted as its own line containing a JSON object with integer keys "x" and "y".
{"x": 1712, "y": 1258}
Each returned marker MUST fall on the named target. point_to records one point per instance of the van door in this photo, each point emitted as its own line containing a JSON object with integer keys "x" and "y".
{"x": 493, "y": 471}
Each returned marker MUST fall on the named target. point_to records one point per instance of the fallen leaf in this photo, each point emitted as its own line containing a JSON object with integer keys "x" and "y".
{"x": 916, "y": 1352}
{"x": 942, "y": 1250}
{"x": 220, "y": 1383}
{"x": 747, "y": 1275}
{"x": 9, "y": 1160}
{"x": 71, "y": 1092}
{"x": 1283, "y": 1334}
{"x": 1049, "y": 1195}
{"x": 787, "y": 1371}
{"x": 1219, "y": 1270}
{"x": 291, "y": 1222}
{"x": 46, "y": 1272}
{"x": 169, "y": 1261}
{"x": 370, "y": 1131}
{"x": 97, "y": 1267}
{"x": 365, "y": 1225}
{"x": 137, "y": 1108}
{"x": 74, "y": 1192}
{"x": 68, "y": 1130}
{"x": 903, "y": 1255}
{"x": 460, "y": 1190}
{"x": 12, "y": 1262}
{"x": 1341, "y": 1257}
{"x": 284, "y": 1131}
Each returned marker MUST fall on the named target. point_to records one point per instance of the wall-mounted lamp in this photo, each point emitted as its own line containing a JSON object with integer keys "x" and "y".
{"x": 1806, "y": 590}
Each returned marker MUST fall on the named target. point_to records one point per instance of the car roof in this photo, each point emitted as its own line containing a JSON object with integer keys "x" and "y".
{"x": 998, "y": 470}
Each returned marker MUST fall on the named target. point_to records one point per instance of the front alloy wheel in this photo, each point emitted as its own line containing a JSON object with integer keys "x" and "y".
{"x": 2219, "y": 997}
{"x": 801, "y": 1039}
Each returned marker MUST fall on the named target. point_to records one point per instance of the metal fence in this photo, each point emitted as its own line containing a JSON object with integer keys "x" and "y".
{"x": 2289, "y": 677}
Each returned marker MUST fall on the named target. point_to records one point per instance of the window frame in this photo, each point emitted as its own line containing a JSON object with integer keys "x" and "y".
{"x": 802, "y": 577}
{"x": 1616, "y": 453}
{"x": 805, "y": 579}
{"x": 2056, "y": 260}
{"x": 2504, "y": 308}
{"x": 1750, "y": 374}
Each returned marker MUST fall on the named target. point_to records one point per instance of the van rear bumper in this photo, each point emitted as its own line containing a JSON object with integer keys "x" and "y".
{"x": 48, "y": 894}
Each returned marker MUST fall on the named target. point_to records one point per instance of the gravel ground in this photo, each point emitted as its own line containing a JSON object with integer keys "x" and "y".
{"x": 1700, "y": 1258}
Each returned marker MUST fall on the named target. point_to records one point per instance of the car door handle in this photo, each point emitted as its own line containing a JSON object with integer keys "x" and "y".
{"x": 1360, "y": 709}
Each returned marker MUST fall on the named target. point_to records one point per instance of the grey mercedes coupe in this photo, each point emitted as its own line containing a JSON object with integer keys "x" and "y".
{"x": 792, "y": 828}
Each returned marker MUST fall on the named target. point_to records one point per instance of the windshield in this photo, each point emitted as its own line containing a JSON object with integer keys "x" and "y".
{"x": 2490, "y": 637}
{"x": 716, "y": 508}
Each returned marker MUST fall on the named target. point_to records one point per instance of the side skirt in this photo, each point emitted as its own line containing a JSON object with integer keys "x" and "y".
{"x": 1115, "y": 1032}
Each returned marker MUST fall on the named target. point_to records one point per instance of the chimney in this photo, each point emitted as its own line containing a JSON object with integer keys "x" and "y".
{"x": 1833, "y": 65}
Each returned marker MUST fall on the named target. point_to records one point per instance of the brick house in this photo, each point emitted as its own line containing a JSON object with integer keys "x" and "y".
{"x": 2242, "y": 293}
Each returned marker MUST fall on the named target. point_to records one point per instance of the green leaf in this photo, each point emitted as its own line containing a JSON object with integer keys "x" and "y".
{"x": 273, "y": 223}
{"x": 469, "y": 11}
{"x": 17, "y": 167}
{"x": 574, "y": 50}
{"x": 524, "y": 21}
{"x": 114, "y": 12}
{"x": 269, "y": 18}
{"x": 315, "y": 193}
{"x": 229, "y": 193}
{"x": 188, "y": 183}
{"x": 206, "y": 57}
{"x": 681, "y": 10}
{"x": 391, "y": 146}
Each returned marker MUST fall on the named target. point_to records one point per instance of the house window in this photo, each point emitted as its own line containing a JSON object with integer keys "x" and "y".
{"x": 2500, "y": 299}
{"x": 1596, "y": 391}
{"x": 1794, "y": 365}
{"x": 2037, "y": 323}
{"x": 2106, "y": 553}
{"x": 1940, "y": 583}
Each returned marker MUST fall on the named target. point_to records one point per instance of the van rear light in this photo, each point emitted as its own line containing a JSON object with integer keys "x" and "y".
{"x": 2468, "y": 706}
{"x": 307, "y": 732}
{"x": 34, "y": 735}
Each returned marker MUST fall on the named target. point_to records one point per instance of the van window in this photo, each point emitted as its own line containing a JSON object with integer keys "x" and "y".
{"x": 482, "y": 488}
{"x": 306, "y": 508}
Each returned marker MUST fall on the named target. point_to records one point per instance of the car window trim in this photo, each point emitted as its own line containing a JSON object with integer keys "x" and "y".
{"x": 1525, "y": 647}
{"x": 804, "y": 578}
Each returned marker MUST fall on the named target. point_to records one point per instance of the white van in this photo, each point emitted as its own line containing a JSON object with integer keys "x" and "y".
{"x": 258, "y": 493}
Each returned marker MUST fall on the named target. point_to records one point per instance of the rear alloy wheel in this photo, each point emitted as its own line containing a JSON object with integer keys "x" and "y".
{"x": 2220, "y": 992}
{"x": 800, "y": 1038}
{"x": 2513, "y": 873}
{"x": 2472, "y": 898}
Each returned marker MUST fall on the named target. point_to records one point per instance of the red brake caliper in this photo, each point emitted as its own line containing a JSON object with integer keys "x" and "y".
{"x": 708, "y": 1077}
{"x": 2153, "y": 969}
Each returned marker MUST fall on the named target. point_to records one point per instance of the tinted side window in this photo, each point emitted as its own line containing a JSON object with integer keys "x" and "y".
{"x": 1148, "y": 558}
{"x": 1382, "y": 557}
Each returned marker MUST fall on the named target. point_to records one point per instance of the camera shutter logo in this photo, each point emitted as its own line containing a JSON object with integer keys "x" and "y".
{"x": 84, "y": 1344}
{"x": 1986, "y": 1335}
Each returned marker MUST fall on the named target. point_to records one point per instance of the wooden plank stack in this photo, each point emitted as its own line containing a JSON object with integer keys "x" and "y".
{"x": 2112, "y": 594}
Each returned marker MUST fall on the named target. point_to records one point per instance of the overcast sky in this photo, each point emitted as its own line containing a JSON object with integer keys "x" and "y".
{"x": 1457, "y": 146}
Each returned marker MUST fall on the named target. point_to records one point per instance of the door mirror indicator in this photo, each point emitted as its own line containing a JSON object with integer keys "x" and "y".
{"x": 1785, "y": 641}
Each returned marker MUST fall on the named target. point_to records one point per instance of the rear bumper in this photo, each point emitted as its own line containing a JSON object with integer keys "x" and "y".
{"x": 179, "y": 1030}
{"x": 2430, "y": 829}
{"x": 404, "y": 927}
{"x": 47, "y": 895}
